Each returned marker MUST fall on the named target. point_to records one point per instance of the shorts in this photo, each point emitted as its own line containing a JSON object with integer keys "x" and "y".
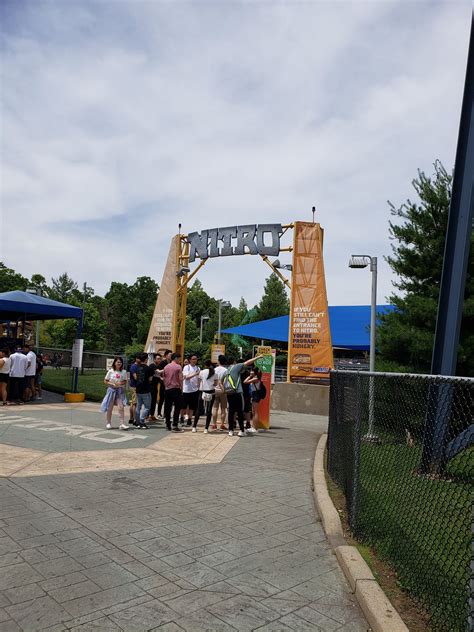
{"x": 30, "y": 382}
{"x": 4, "y": 377}
{"x": 220, "y": 399}
{"x": 190, "y": 400}
{"x": 255, "y": 395}
{"x": 133, "y": 397}
{"x": 38, "y": 379}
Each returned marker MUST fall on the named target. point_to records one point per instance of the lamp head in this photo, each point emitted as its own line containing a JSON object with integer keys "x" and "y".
{"x": 276, "y": 263}
{"x": 359, "y": 261}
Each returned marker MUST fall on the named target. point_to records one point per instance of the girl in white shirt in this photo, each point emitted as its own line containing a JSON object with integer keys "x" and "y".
{"x": 207, "y": 388}
{"x": 116, "y": 380}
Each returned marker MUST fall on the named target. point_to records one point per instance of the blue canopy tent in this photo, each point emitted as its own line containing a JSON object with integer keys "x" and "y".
{"x": 21, "y": 306}
{"x": 25, "y": 306}
{"x": 349, "y": 327}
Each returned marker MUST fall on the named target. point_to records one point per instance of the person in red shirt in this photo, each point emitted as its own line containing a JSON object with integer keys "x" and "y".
{"x": 172, "y": 376}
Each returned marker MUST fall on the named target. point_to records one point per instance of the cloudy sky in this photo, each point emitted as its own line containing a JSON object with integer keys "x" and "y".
{"x": 121, "y": 119}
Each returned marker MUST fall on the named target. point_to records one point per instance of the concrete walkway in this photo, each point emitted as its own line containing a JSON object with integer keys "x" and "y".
{"x": 224, "y": 543}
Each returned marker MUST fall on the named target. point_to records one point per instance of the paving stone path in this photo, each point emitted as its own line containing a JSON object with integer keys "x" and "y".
{"x": 234, "y": 545}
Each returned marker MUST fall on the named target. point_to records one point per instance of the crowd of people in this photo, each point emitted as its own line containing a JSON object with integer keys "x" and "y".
{"x": 20, "y": 375}
{"x": 178, "y": 394}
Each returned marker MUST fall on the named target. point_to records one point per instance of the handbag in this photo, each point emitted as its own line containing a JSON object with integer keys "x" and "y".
{"x": 207, "y": 397}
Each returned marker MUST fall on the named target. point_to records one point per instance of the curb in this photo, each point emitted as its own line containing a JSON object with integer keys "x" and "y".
{"x": 375, "y": 605}
{"x": 74, "y": 398}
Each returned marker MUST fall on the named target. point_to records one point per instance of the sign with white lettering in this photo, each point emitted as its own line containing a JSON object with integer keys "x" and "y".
{"x": 161, "y": 335}
{"x": 77, "y": 351}
{"x": 253, "y": 239}
{"x": 310, "y": 347}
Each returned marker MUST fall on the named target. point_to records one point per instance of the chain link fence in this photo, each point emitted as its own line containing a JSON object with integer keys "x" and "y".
{"x": 401, "y": 447}
{"x": 61, "y": 358}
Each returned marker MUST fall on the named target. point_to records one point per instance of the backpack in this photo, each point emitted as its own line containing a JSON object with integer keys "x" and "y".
{"x": 262, "y": 390}
{"x": 230, "y": 385}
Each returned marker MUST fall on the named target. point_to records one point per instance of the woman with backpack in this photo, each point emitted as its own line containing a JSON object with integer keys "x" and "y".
{"x": 207, "y": 389}
{"x": 232, "y": 385}
{"x": 257, "y": 393}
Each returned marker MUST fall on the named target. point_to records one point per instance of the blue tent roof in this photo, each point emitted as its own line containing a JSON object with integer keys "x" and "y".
{"x": 349, "y": 326}
{"x": 23, "y": 305}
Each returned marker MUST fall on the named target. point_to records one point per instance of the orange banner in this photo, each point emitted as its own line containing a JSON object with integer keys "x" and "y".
{"x": 161, "y": 335}
{"x": 310, "y": 347}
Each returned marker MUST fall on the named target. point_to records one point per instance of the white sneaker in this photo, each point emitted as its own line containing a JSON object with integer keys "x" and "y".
{"x": 195, "y": 429}
{"x": 251, "y": 430}
{"x": 241, "y": 434}
{"x": 123, "y": 427}
{"x": 231, "y": 433}
{"x": 206, "y": 431}
{"x": 109, "y": 426}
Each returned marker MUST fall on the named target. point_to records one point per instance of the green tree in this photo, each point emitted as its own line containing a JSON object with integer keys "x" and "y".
{"x": 11, "y": 280}
{"x": 274, "y": 301}
{"x": 38, "y": 282}
{"x": 63, "y": 288}
{"x": 129, "y": 312}
{"x": 241, "y": 311}
{"x": 418, "y": 234}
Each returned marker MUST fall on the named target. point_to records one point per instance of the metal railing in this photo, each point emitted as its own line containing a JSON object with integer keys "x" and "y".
{"x": 61, "y": 358}
{"x": 401, "y": 447}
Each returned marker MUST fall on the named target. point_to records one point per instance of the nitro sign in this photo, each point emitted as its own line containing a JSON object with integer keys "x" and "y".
{"x": 252, "y": 239}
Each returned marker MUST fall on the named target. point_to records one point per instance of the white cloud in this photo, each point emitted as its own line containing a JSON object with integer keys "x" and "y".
{"x": 120, "y": 120}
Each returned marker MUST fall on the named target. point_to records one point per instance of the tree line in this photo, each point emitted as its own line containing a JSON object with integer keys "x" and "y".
{"x": 119, "y": 321}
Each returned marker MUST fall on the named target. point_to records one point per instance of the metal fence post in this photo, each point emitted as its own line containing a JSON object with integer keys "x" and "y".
{"x": 440, "y": 396}
{"x": 356, "y": 456}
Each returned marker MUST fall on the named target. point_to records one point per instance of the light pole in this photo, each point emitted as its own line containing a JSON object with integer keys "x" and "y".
{"x": 362, "y": 261}
{"x": 221, "y": 304}
{"x": 203, "y": 318}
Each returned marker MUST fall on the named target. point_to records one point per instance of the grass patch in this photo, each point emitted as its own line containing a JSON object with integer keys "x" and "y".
{"x": 91, "y": 382}
{"x": 414, "y": 616}
{"x": 421, "y": 525}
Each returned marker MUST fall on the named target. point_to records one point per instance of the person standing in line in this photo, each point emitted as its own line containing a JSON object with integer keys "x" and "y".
{"x": 232, "y": 384}
{"x": 207, "y": 389}
{"x": 254, "y": 382}
{"x": 30, "y": 373}
{"x": 4, "y": 375}
{"x": 18, "y": 366}
{"x": 133, "y": 390}
{"x": 190, "y": 389}
{"x": 220, "y": 397}
{"x": 173, "y": 379}
{"x": 116, "y": 381}
{"x": 166, "y": 359}
{"x": 143, "y": 376}
{"x": 154, "y": 386}
{"x": 246, "y": 395}
{"x": 39, "y": 376}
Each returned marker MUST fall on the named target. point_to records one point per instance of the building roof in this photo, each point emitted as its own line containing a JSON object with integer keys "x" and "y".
{"x": 349, "y": 326}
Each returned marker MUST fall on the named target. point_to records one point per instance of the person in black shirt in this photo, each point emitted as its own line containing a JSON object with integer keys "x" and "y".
{"x": 143, "y": 375}
{"x": 154, "y": 386}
